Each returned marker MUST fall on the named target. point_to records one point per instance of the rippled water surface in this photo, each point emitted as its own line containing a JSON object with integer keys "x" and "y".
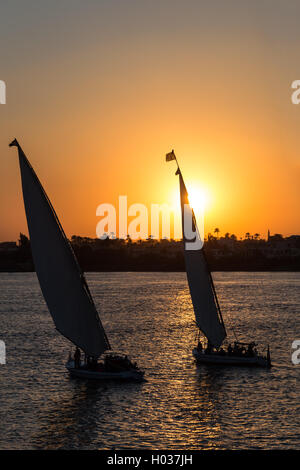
{"x": 149, "y": 316}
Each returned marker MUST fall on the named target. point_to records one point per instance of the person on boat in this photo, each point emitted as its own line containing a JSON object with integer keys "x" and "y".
{"x": 77, "y": 356}
{"x": 199, "y": 346}
{"x": 222, "y": 352}
{"x": 237, "y": 350}
{"x": 250, "y": 351}
{"x": 88, "y": 362}
{"x": 229, "y": 349}
{"x": 94, "y": 363}
{"x": 91, "y": 363}
{"x": 126, "y": 363}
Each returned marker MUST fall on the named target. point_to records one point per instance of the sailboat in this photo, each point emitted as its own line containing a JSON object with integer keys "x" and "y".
{"x": 65, "y": 288}
{"x": 208, "y": 315}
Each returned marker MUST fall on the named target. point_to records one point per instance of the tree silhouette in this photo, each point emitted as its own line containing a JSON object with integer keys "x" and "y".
{"x": 23, "y": 241}
{"x": 217, "y": 231}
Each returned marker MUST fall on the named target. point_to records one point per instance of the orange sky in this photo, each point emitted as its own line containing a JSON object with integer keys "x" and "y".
{"x": 98, "y": 93}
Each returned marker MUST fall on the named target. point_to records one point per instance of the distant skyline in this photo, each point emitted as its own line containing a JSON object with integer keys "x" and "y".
{"x": 219, "y": 235}
{"x": 98, "y": 92}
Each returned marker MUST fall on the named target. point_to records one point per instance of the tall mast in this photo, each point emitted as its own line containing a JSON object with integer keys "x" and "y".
{"x": 172, "y": 156}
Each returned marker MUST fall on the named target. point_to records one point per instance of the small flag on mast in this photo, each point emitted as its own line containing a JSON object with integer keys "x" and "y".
{"x": 170, "y": 156}
{"x": 14, "y": 143}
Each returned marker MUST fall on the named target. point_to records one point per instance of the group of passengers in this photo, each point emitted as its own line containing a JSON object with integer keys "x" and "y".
{"x": 111, "y": 363}
{"x": 238, "y": 349}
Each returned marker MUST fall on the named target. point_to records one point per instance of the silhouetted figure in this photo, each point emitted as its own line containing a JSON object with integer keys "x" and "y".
{"x": 200, "y": 347}
{"x": 209, "y": 348}
{"x": 236, "y": 349}
{"x": 88, "y": 361}
{"x": 94, "y": 363}
{"x": 77, "y": 357}
{"x": 230, "y": 350}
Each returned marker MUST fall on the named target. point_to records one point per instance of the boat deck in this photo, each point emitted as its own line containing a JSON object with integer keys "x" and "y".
{"x": 84, "y": 373}
{"x": 226, "y": 360}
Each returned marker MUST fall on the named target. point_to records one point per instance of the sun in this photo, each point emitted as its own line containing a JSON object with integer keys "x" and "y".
{"x": 198, "y": 198}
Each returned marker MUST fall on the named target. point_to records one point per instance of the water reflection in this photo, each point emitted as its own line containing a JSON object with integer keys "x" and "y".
{"x": 181, "y": 406}
{"x": 207, "y": 394}
{"x": 70, "y": 420}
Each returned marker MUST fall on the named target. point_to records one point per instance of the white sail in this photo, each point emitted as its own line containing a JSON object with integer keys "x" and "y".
{"x": 62, "y": 282}
{"x": 200, "y": 283}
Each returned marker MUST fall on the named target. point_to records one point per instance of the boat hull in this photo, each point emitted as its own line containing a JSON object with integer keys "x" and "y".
{"x": 215, "y": 359}
{"x": 81, "y": 373}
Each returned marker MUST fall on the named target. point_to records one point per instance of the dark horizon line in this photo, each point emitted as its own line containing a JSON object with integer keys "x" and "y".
{"x": 227, "y": 236}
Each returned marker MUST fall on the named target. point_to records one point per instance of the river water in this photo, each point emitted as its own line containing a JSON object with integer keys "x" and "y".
{"x": 181, "y": 406}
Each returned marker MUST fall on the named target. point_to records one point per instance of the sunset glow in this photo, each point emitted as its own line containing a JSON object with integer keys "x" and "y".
{"x": 149, "y": 229}
{"x": 101, "y": 128}
{"x": 199, "y": 199}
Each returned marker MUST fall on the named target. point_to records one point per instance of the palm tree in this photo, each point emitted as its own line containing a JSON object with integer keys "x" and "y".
{"x": 217, "y": 231}
{"x": 247, "y": 235}
{"x": 23, "y": 241}
{"x": 256, "y": 236}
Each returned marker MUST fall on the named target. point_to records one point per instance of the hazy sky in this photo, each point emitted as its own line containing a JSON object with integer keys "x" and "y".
{"x": 99, "y": 91}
